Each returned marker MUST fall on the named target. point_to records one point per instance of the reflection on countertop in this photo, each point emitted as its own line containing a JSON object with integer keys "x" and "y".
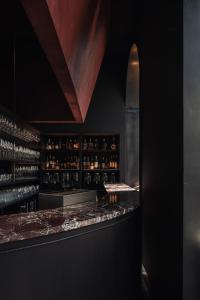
{"x": 45, "y": 222}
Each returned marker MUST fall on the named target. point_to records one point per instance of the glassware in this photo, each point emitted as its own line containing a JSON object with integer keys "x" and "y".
{"x": 14, "y": 195}
{"x": 11, "y": 128}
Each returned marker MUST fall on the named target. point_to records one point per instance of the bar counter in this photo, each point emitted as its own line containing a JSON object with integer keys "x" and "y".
{"x": 85, "y": 251}
{"x": 25, "y": 226}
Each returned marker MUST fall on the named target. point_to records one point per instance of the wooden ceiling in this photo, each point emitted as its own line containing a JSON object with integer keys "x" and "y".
{"x": 73, "y": 37}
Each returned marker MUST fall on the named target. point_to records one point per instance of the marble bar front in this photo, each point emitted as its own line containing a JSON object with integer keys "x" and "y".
{"x": 73, "y": 250}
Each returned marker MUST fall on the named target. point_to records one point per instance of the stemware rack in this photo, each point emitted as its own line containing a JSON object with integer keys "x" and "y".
{"x": 19, "y": 162}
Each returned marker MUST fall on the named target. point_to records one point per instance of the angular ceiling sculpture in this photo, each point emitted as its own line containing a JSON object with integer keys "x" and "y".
{"x": 73, "y": 37}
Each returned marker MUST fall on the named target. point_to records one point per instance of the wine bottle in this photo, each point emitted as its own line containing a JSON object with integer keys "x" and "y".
{"x": 104, "y": 144}
{"x": 56, "y": 145}
{"x": 103, "y": 164}
{"x": 96, "y": 163}
{"x": 85, "y": 145}
{"x": 91, "y": 163}
{"x": 47, "y": 163}
{"x": 113, "y": 145}
{"x": 90, "y": 145}
{"x": 96, "y": 144}
{"x": 48, "y": 145}
{"x": 84, "y": 162}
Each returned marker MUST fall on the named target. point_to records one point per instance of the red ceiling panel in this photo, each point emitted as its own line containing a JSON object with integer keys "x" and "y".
{"x": 73, "y": 36}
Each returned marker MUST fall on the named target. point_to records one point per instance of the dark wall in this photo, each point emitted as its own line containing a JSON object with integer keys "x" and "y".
{"x": 160, "y": 47}
{"x": 191, "y": 254}
{"x": 7, "y": 57}
{"x": 107, "y": 108}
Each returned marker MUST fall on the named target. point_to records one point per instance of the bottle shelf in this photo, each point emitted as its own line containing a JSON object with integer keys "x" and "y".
{"x": 62, "y": 150}
{"x": 101, "y": 151}
{"x": 94, "y": 150}
{"x": 20, "y": 151}
{"x": 79, "y": 170}
{"x": 60, "y": 170}
{"x": 100, "y": 170}
{"x": 21, "y": 162}
{"x": 14, "y": 139}
{"x": 26, "y": 179}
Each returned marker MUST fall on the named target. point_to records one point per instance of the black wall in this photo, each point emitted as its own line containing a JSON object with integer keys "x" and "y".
{"x": 160, "y": 47}
{"x": 191, "y": 254}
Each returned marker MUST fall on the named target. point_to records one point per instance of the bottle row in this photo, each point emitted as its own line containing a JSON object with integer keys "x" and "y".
{"x": 73, "y": 179}
{"x": 64, "y": 180}
{"x": 22, "y": 172}
{"x": 88, "y": 144}
{"x": 99, "y": 178}
{"x": 70, "y": 162}
{"x": 63, "y": 144}
{"x": 100, "y": 162}
{"x": 9, "y": 151}
{"x": 11, "y": 128}
{"x": 14, "y": 195}
{"x": 26, "y": 171}
{"x": 89, "y": 162}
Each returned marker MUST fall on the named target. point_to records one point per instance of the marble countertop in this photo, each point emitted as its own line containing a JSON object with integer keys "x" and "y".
{"x": 25, "y": 226}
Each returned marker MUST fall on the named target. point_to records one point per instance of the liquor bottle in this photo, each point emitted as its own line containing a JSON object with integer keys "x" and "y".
{"x": 47, "y": 163}
{"x": 92, "y": 163}
{"x": 53, "y": 162}
{"x": 67, "y": 179}
{"x": 84, "y": 162}
{"x": 69, "y": 163}
{"x": 71, "y": 145}
{"x": 52, "y": 145}
{"x": 104, "y": 178}
{"x": 73, "y": 162}
{"x": 103, "y": 165}
{"x": 90, "y": 145}
{"x": 56, "y": 147}
{"x": 85, "y": 145}
{"x": 88, "y": 178}
{"x": 97, "y": 179}
{"x": 113, "y": 145}
{"x": 113, "y": 178}
{"x": 50, "y": 162}
{"x": 106, "y": 163}
{"x": 78, "y": 162}
{"x": 116, "y": 163}
{"x": 110, "y": 162}
{"x": 65, "y": 163}
{"x": 48, "y": 145}
{"x": 61, "y": 165}
{"x": 57, "y": 167}
{"x": 96, "y": 144}
{"x": 67, "y": 144}
{"x": 63, "y": 144}
{"x": 88, "y": 162}
{"x": 76, "y": 144}
{"x": 75, "y": 178}
{"x": 60, "y": 144}
{"x": 96, "y": 163}
{"x": 104, "y": 144}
